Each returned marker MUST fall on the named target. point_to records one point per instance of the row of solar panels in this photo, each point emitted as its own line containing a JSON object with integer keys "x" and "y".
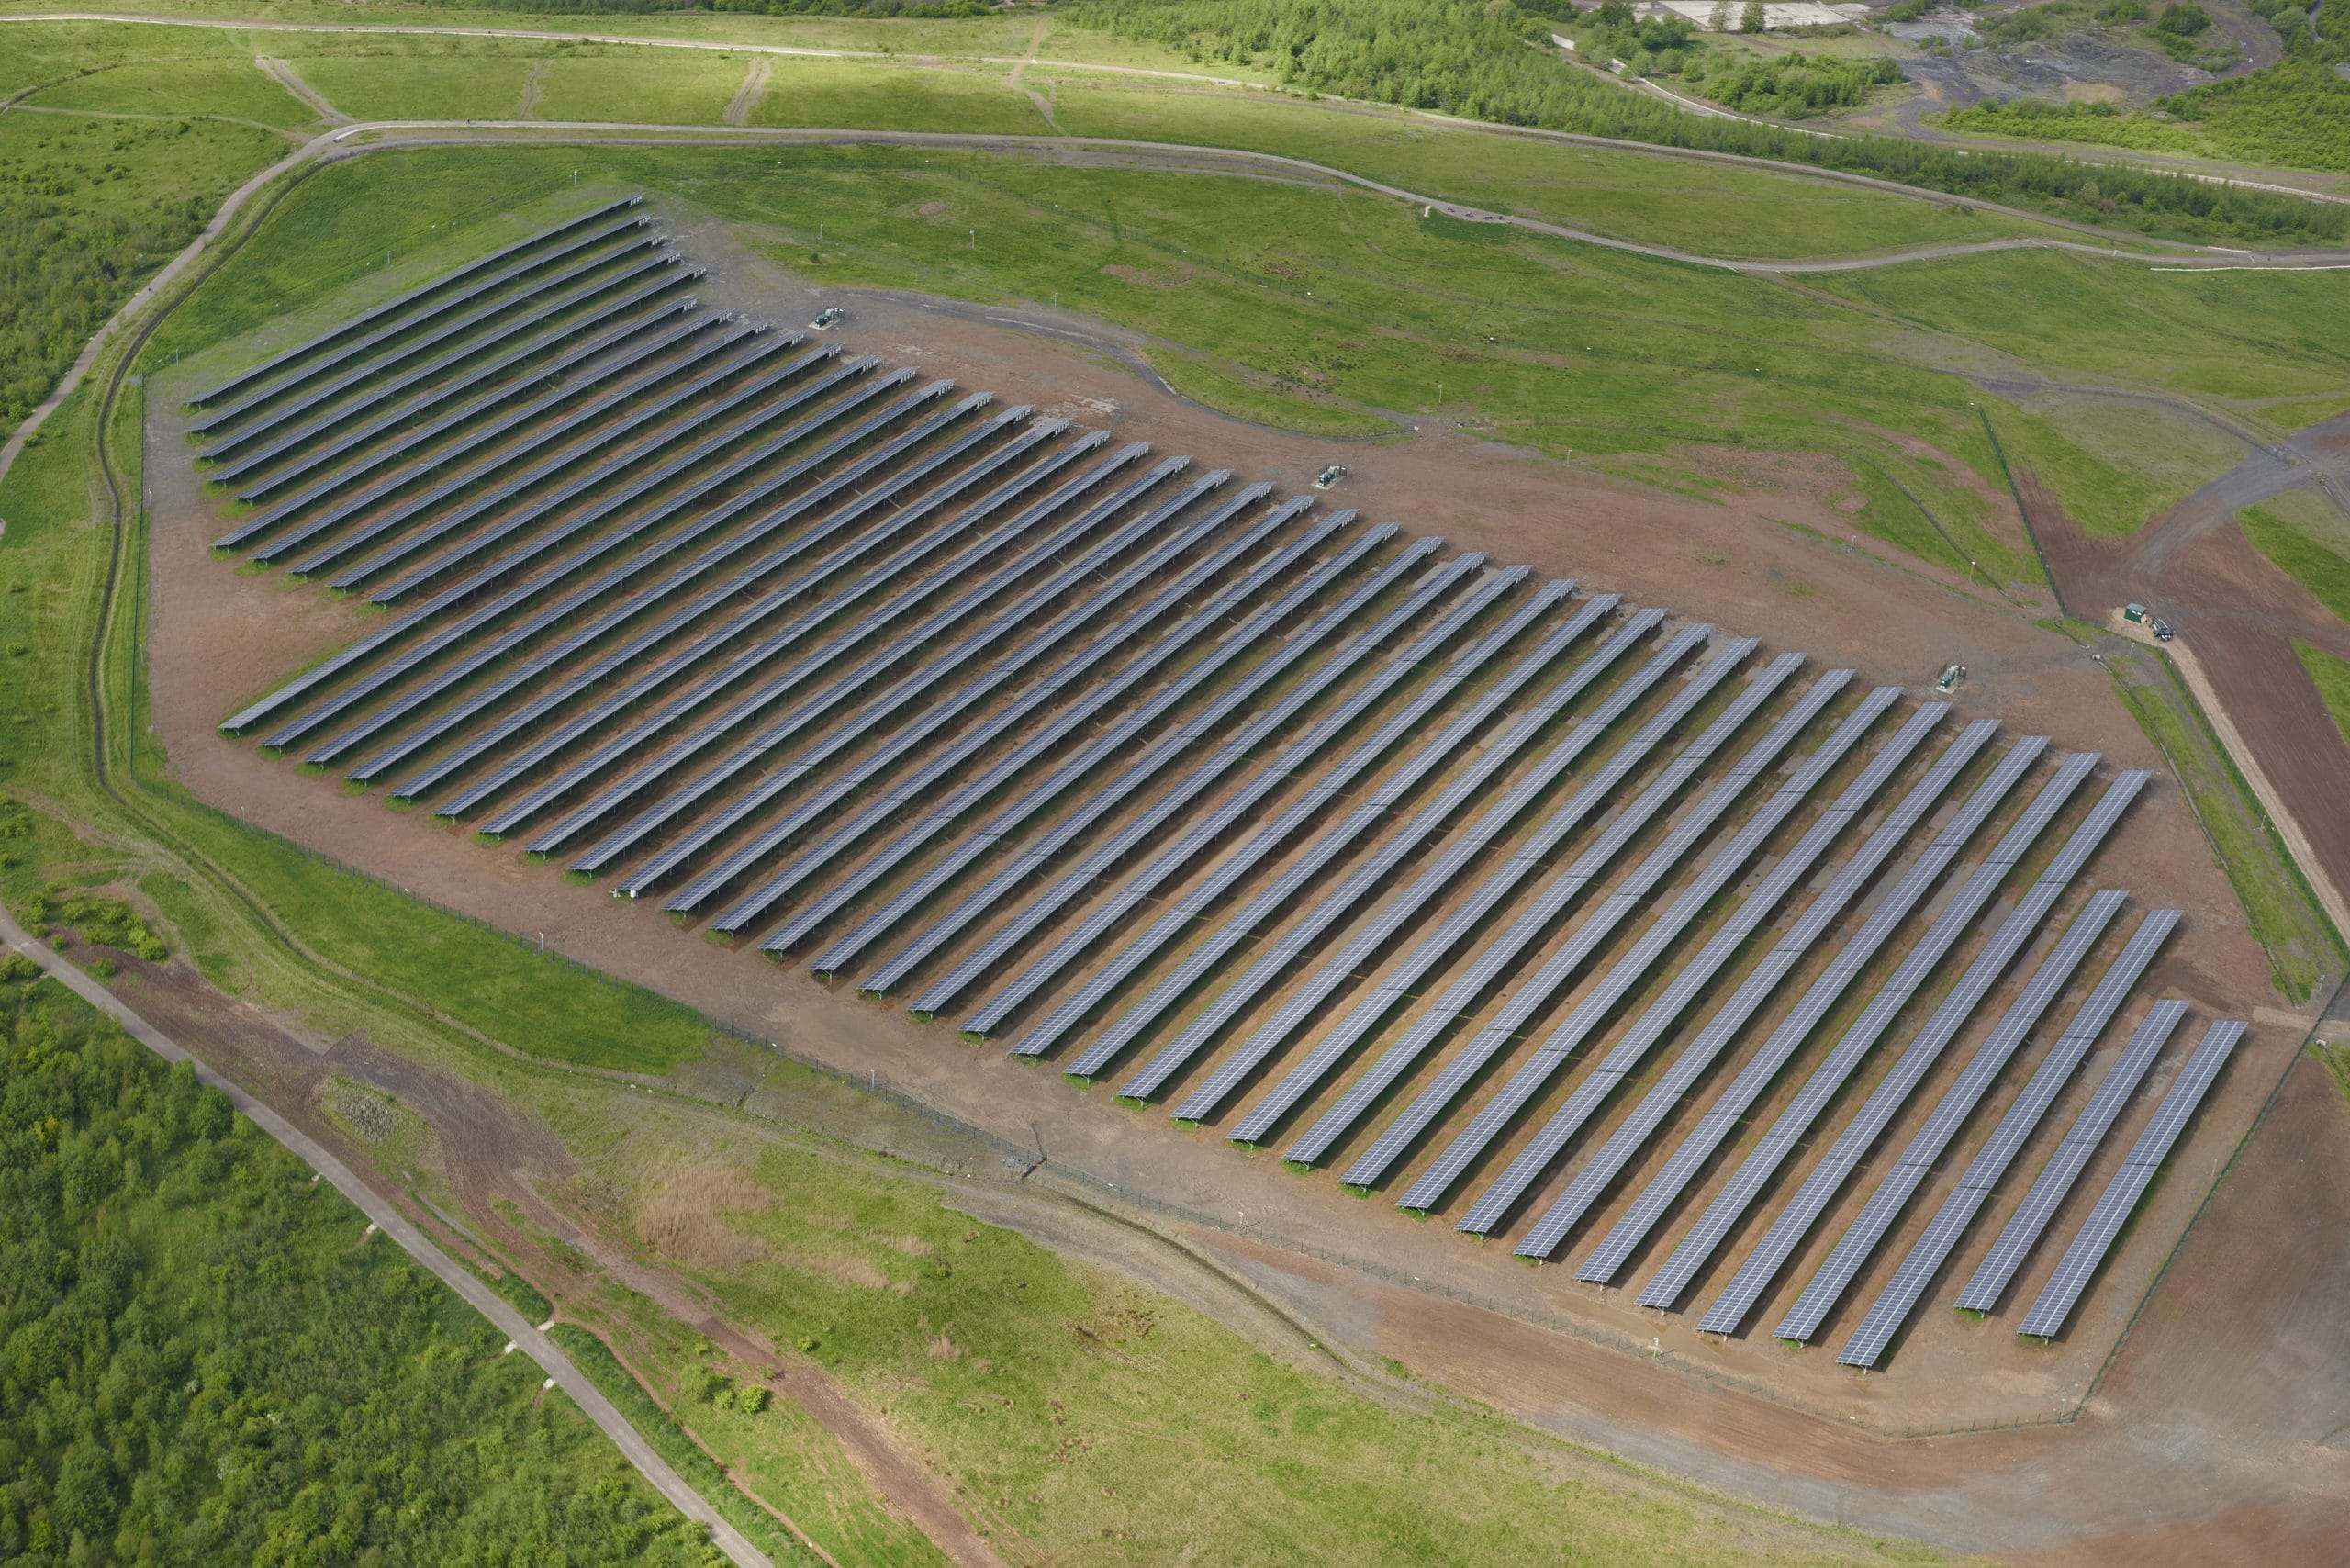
{"x": 623, "y": 619}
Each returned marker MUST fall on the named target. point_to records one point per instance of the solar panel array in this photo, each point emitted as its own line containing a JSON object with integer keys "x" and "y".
{"x": 1476, "y": 877}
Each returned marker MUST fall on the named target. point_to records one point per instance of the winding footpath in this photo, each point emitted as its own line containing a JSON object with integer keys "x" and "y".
{"x": 396, "y": 1225}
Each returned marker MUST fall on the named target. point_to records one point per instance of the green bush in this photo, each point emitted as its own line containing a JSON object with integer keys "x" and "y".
{"x": 109, "y": 923}
{"x": 2183, "y": 21}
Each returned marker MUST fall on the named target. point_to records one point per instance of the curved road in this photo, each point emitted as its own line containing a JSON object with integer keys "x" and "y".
{"x": 2118, "y": 159}
{"x": 335, "y": 145}
{"x": 388, "y": 1219}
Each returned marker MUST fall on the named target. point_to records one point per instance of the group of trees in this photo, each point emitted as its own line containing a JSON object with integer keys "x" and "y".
{"x": 1794, "y": 85}
{"x": 1485, "y": 62}
{"x": 203, "y": 1360}
{"x": 66, "y": 260}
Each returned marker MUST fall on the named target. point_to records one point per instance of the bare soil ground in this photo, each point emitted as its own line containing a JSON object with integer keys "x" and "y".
{"x": 1765, "y": 1422}
{"x": 2240, "y": 614}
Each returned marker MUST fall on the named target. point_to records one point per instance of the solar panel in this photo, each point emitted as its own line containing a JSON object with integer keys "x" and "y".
{"x": 1220, "y": 760}
{"x": 977, "y": 596}
{"x": 920, "y": 730}
{"x": 401, "y": 627}
{"x": 511, "y": 639}
{"x": 1117, "y": 739}
{"x": 1699, "y": 973}
{"x": 1916, "y": 1163}
{"x": 406, "y": 321}
{"x": 1436, "y": 583}
{"x": 489, "y": 612}
{"x": 612, "y": 320}
{"x": 1803, "y": 1211}
{"x": 2065, "y": 1163}
{"x": 400, "y": 303}
{"x": 1582, "y": 945}
{"x": 637, "y": 368}
{"x": 1497, "y": 751}
{"x": 1717, "y": 1034}
{"x": 1403, "y": 910}
{"x": 1867, "y": 1344}
{"x": 1729, "y": 1111}
{"x": 515, "y": 320}
{"x": 1167, "y": 643}
{"x": 1715, "y": 878}
{"x": 2114, "y": 1205}
{"x": 607, "y": 295}
{"x": 1186, "y": 738}
{"x": 696, "y": 643}
{"x": 1593, "y": 795}
{"x": 690, "y": 467}
{"x": 1267, "y": 841}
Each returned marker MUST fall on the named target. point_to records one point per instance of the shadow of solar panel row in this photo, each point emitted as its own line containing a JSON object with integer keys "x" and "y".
{"x": 1164, "y": 763}
{"x": 1434, "y": 585}
{"x": 299, "y": 364}
{"x": 1316, "y": 681}
{"x": 781, "y": 679}
{"x": 1590, "y": 937}
{"x": 619, "y": 362}
{"x": 737, "y": 584}
{"x": 1551, "y": 900}
{"x": 1600, "y": 1082}
{"x": 1107, "y": 744}
{"x": 1172, "y": 640}
{"x": 1244, "y": 638}
{"x": 1526, "y": 860}
{"x": 500, "y": 528}
{"x": 2068, "y": 1159}
{"x": 1457, "y": 852}
{"x": 1007, "y": 620}
{"x": 1801, "y": 1211}
{"x": 2074, "y": 1270}
{"x": 1696, "y": 977}
{"x": 1270, "y": 839}
{"x": 1299, "y": 874}
{"x": 605, "y": 283}
{"x": 729, "y": 544}
{"x": 592, "y": 547}
{"x": 1909, "y": 976}
{"x": 1916, "y": 1162}
{"x": 1715, "y": 1034}
{"x": 1868, "y": 1343}
{"x": 611, "y": 319}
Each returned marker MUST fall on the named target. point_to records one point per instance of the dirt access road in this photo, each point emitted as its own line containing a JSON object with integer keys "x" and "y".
{"x": 2240, "y": 615}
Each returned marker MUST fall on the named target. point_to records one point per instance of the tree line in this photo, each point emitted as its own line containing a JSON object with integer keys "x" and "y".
{"x": 203, "y": 1360}
{"x": 1492, "y": 62}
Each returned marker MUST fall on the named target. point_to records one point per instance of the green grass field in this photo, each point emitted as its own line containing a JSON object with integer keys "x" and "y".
{"x": 2331, "y": 678}
{"x": 2291, "y": 531}
{"x": 865, "y": 96}
{"x": 235, "y": 89}
{"x": 634, "y": 85}
{"x": 420, "y": 79}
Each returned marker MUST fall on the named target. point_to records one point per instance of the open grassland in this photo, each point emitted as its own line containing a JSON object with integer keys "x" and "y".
{"x": 419, "y": 78}
{"x": 2331, "y": 678}
{"x": 628, "y": 84}
{"x": 2116, "y": 463}
{"x": 210, "y": 1362}
{"x": 862, "y": 95}
{"x": 1706, "y": 208}
{"x": 233, "y": 89}
{"x": 2299, "y": 531}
